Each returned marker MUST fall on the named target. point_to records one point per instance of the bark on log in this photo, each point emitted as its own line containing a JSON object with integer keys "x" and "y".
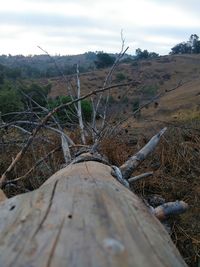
{"x": 82, "y": 216}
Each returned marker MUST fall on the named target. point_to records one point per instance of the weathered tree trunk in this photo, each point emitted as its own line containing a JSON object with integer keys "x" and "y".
{"x": 82, "y": 216}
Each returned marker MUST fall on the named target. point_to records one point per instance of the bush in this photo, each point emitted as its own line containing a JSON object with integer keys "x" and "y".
{"x": 86, "y": 109}
{"x": 69, "y": 113}
{"x": 145, "y": 54}
{"x": 104, "y": 60}
{"x": 136, "y": 104}
{"x": 10, "y": 101}
{"x": 120, "y": 77}
{"x": 37, "y": 92}
{"x": 150, "y": 90}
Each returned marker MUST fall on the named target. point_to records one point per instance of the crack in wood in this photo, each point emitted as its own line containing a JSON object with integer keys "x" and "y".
{"x": 55, "y": 243}
{"x": 47, "y": 210}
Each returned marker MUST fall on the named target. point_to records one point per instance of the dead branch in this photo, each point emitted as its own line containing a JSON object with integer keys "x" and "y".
{"x": 33, "y": 168}
{"x": 65, "y": 149}
{"x": 132, "y": 180}
{"x": 58, "y": 131}
{"x": 69, "y": 88}
{"x": 108, "y": 78}
{"x": 128, "y": 167}
{"x": 79, "y": 109}
{"x": 162, "y": 212}
{"x": 107, "y": 81}
{"x": 46, "y": 118}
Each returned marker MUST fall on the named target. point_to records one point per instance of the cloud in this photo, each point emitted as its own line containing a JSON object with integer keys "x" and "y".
{"x": 42, "y": 20}
{"x": 76, "y": 26}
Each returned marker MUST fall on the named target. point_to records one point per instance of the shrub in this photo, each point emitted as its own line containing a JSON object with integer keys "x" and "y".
{"x": 37, "y": 92}
{"x": 86, "y": 109}
{"x": 136, "y": 104}
{"x": 69, "y": 113}
{"x": 120, "y": 77}
{"x": 150, "y": 90}
{"x": 10, "y": 101}
{"x": 104, "y": 60}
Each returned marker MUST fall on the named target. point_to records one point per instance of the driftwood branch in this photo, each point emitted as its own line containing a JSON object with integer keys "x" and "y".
{"x": 128, "y": 167}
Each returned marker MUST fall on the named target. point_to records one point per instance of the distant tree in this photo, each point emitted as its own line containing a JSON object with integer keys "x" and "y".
{"x": 145, "y": 54}
{"x": 141, "y": 54}
{"x": 153, "y": 55}
{"x": 182, "y": 48}
{"x": 190, "y": 47}
{"x": 195, "y": 43}
{"x": 104, "y": 60}
{"x": 2, "y": 74}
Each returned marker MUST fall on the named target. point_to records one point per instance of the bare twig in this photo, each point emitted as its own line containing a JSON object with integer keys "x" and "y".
{"x": 44, "y": 121}
{"x": 34, "y": 167}
{"x": 107, "y": 81}
{"x": 79, "y": 109}
{"x": 128, "y": 167}
{"x": 132, "y": 180}
{"x": 60, "y": 132}
{"x": 59, "y": 71}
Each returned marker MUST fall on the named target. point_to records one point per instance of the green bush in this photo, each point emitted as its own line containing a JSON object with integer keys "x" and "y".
{"x": 120, "y": 77}
{"x": 68, "y": 114}
{"x": 86, "y": 109}
{"x": 37, "y": 92}
{"x": 104, "y": 60}
{"x": 150, "y": 90}
{"x": 136, "y": 104}
{"x": 10, "y": 101}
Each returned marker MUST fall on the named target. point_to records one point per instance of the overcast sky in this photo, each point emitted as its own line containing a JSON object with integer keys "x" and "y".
{"x": 76, "y": 26}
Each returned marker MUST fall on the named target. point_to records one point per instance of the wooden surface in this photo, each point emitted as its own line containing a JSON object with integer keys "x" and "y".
{"x": 82, "y": 217}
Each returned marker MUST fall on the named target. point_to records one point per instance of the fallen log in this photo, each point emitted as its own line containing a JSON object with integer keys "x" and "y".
{"x": 82, "y": 216}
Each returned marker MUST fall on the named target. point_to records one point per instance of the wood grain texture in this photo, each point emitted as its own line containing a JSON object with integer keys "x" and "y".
{"x": 82, "y": 217}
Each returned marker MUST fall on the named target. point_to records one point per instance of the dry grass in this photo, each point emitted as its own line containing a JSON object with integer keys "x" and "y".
{"x": 38, "y": 150}
{"x": 176, "y": 174}
{"x": 176, "y": 169}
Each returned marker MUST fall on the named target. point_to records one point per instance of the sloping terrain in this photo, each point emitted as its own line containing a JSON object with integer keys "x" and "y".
{"x": 156, "y": 76}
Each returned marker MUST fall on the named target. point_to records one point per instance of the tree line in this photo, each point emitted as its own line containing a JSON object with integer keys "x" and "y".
{"x": 192, "y": 46}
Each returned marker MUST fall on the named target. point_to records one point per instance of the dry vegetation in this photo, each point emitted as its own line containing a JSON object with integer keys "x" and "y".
{"x": 176, "y": 161}
{"x": 176, "y": 175}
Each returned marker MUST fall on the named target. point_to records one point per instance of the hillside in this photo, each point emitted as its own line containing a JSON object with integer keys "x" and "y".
{"x": 37, "y": 66}
{"x": 156, "y": 75}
